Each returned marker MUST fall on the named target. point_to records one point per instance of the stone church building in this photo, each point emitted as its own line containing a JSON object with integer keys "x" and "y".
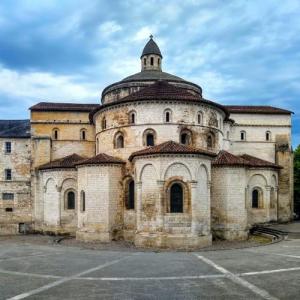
{"x": 155, "y": 163}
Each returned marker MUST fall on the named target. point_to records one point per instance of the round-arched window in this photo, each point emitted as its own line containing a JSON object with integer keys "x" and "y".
{"x": 176, "y": 198}
{"x": 70, "y": 200}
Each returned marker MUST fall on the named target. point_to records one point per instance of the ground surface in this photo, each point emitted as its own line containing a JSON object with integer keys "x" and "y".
{"x": 37, "y": 270}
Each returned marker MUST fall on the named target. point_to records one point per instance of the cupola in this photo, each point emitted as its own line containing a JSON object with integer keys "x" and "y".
{"x": 151, "y": 57}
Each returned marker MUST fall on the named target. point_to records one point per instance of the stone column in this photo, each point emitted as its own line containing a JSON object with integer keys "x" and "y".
{"x": 138, "y": 205}
{"x": 267, "y": 202}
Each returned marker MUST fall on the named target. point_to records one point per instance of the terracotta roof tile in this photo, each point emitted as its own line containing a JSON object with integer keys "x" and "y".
{"x": 62, "y": 163}
{"x": 252, "y": 109}
{"x": 101, "y": 158}
{"x": 52, "y": 106}
{"x": 170, "y": 147}
{"x": 225, "y": 158}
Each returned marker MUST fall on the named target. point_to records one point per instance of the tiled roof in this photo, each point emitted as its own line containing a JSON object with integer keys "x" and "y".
{"x": 151, "y": 48}
{"x": 246, "y": 109}
{"x": 225, "y": 158}
{"x": 101, "y": 158}
{"x": 62, "y": 163}
{"x": 162, "y": 90}
{"x": 170, "y": 147}
{"x": 14, "y": 128}
{"x": 52, "y": 106}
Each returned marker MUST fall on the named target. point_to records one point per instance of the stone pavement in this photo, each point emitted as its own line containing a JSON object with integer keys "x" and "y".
{"x": 32, "y": 271}
{"x": 293, "y": 229}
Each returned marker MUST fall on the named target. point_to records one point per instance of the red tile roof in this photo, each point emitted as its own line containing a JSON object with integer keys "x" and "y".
{"x": 252, "y": 109}
{"x": 62, "y": 163}
{"x": 51, "y": 106}
{"x": 170, "y": 147}
{"x": 225, "y": 158}
{"x": 99, "y": 159}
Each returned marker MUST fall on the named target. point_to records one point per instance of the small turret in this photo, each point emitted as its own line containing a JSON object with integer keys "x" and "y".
{"x": 151, "y": 57}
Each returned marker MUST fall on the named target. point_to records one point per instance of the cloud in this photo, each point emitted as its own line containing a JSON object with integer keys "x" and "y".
{"x": 106, "y": 29}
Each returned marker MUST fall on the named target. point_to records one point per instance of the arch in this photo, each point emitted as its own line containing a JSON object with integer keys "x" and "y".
{"x": 185, "y": 137}
{"x": 55, "y": 133}
{"x": 119, "y": 140}
{"x": 83, "y": 134}
{"x": 149, "y": 137}
{"x": 243, "y": 135}
{"x": 82, "y": 201}
{"x": 48, "y": 183}
{"x": 176, "y": 198}
{"x": 178, "y": 169}
{"x": 132, "y": 117}
{"x": 274, "y": 180}
{"x": 268, "y": 136}
{"x": 167, "y": 115}
{"x": 103, "y": 123}
{"x": 258, "y": 180}
{"x": 144, "y": 170}
{"x": 202, "y": 172}
{"x": 70, "y": 199}
{"x": 200, "y": 118}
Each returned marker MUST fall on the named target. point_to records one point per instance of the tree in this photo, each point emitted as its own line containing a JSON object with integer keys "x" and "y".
{"x": 297, "y": 180}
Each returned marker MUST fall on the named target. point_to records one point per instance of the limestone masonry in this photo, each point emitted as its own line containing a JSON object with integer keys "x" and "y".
{"x": 155, "y": 163}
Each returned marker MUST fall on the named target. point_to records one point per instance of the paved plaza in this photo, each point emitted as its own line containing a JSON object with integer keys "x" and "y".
{"x": 32, "y": 271}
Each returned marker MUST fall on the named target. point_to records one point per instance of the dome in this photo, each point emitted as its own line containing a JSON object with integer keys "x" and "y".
{"x": 152, "y": 75}
{"x": 151, "y": 48}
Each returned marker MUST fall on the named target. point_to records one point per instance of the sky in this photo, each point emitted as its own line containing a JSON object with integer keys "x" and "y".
{"x": 240, "y": 52}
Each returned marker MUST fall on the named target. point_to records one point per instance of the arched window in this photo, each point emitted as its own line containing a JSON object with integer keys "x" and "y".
{"x": 167, "y": 116}
{"x": 103, "y": 123}
{"x": 55, "y": 134}
{"x": 83, "y": 134}
{"x": 71, "y": 200}
{"x": 268, "y": 136}
{"x": 82, "y": 196}
{"x": 243, "y": 135}
{"x": 185, "y": 137}
{"x": 132, "y": 117}
{"x": 199, "y": 118}
{"x": 130, "y": 195}
{"x": 176, "y": 198}
{"x": 145, "y": 61}
{"x": 151, "y": 61}
{"x": 255, "y": 198}
{"x": 149, "y": 137}
{"x": 119, "y": 140}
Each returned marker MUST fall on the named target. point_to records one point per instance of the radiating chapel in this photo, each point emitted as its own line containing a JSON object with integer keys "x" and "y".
{"x": 155, "y": 163}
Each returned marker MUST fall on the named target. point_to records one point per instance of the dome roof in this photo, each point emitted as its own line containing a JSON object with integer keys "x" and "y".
{"x": 152, "y": 75}
{"x": 151, "y": 48}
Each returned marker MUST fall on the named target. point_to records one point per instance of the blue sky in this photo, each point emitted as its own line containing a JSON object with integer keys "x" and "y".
{"x": 239, "y": 52}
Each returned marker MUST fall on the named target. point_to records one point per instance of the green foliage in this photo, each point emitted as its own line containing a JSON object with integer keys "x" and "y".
{"x": 297, "y": 173}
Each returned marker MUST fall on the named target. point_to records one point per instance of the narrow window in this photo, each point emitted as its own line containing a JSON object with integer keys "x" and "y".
{"x": 83, "y": 134}
{"x": 255, "y": 198}
{"x": 97, "y": 146}
{"x": 158, "y": 61}
{"x": 150, "y": 139}
{"x": 243, "y": 135}
{"x": 176, "y": 198}
{"x": 120, "y": 141}
{"x": 7, "y": 174}
{"x": 103, "y": 123}
{"x": 145, "y": 61}
{"x": 209, "y": 142}
{"x": 132, "y": 118}
{"x": 199, "y": 119}
{"x": 7, "y": 196}
{"x": 167, "y": 117}
{"x": 268, "y": 136}
{"x": 55, "y": 134}
{"x": 151, "y": 61}
{"x": 184, "y": 139}
{"x": 7, "y": 147}
{"x": 82, "y": 201}
{"x": 9, "y": 209}
{"x": 71, "y": 200}
{"x": 130, "y": 200}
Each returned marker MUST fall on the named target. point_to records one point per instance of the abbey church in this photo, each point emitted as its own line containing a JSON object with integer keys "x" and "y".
{"x": 155, "y": 164}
